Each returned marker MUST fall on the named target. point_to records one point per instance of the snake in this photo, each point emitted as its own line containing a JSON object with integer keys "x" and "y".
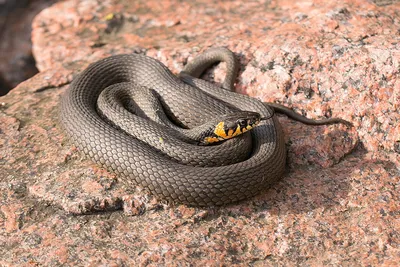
{"x": 179, "y": 137}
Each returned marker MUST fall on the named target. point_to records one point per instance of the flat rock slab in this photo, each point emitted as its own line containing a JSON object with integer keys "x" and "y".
{"x": 338, "y": 203}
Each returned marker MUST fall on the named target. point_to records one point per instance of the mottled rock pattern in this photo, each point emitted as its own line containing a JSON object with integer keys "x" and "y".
{"x": 321, "y": 58}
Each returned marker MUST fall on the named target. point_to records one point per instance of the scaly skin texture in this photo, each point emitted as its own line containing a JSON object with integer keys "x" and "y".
{"x": 138, "y": 163}
{"x": 143, "y": 118}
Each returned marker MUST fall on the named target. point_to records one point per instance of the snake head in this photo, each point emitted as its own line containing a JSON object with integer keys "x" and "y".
{"x": 231, "y": 125}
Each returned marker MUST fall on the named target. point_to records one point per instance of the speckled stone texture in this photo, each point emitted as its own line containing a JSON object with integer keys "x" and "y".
{"x": 337, "y": 205}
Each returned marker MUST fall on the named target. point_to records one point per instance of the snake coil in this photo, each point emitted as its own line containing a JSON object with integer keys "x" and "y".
{"x": 255, "y": 161}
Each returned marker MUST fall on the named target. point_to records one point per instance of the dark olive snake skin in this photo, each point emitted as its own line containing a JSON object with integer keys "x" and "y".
{"x": 143, "y": 118}
{"x": 192, "y": 102}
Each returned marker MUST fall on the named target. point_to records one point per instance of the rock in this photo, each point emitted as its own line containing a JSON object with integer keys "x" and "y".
{"x": 338, "y": 203}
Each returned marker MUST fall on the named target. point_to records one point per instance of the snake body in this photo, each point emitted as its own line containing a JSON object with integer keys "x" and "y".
{"x": 258, "y": 161}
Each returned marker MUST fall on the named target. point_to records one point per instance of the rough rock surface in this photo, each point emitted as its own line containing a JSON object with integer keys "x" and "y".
{"x": 338, "y": 204}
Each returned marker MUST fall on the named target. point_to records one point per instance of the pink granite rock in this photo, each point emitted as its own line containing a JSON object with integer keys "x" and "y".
{"x": 338, "y": 203}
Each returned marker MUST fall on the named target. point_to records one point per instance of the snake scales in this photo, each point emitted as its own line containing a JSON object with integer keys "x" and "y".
{"x": 253, "y": 162}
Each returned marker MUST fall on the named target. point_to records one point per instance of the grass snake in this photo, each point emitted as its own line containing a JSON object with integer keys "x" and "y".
{"x": 144, "y": 143}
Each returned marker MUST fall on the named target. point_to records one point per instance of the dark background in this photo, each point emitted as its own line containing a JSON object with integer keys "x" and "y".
{"x": 16, "y": 61}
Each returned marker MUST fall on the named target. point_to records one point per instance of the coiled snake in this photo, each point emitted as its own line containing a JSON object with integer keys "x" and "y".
{"x": 154, "y": 156}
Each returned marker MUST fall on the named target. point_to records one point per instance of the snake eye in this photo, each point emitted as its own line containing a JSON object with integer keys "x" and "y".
{"x": 242, "y": 123}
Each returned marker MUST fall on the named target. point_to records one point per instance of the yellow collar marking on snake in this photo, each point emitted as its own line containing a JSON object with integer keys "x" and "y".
{"x": 220, "y": 131}
{"x": 237, "y": 132}
{"x": 210, "y": 140}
